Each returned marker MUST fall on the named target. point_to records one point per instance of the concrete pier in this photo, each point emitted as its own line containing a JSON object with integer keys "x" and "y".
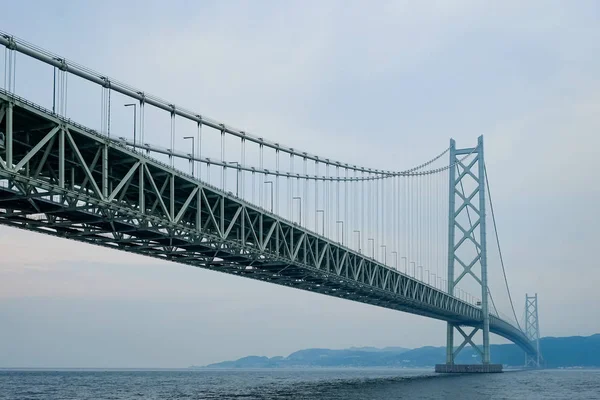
{"x": 468, "y": 368}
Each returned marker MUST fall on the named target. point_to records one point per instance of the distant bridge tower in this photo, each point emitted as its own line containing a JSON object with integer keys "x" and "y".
{"x": 532, "y": 329}
{"x": 466, "y": 240}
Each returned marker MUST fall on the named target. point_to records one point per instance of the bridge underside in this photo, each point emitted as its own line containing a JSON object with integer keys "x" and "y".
{"x": 65, "y": 180}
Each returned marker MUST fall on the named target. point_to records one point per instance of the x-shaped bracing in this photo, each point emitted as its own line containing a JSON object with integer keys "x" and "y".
{"x": 468, "y": 339}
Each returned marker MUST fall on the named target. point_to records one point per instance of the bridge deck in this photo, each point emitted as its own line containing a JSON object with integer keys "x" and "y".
{"x": 65, "y": 180}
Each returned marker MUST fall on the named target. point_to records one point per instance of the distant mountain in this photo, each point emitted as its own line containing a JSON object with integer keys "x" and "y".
{"x": 376, "y": 349}
{"x": 573, "y": 351}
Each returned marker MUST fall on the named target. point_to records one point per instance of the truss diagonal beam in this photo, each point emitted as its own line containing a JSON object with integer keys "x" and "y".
{"x": 156, "y": 192}
{"x": 123, "y": 181}
{"x": 83, "y": 164}
{"x": 36, "y": 148}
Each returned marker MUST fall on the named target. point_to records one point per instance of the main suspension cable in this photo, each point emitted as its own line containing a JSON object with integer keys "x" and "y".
{"x": 487, "y": 183}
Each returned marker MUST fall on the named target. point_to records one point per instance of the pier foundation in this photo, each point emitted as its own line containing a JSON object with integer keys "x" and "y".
{"x": 468, "y": 368}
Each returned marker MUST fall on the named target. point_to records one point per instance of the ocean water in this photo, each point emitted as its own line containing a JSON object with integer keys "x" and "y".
{"x": 310, "y": 384}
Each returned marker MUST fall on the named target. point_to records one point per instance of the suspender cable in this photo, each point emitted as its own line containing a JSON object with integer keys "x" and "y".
{"x": 430, "y": 248}
{"x": 410, "y": 223}
{"x": 305, "y": 193}
{"x": 224, "y": 168}
{"x": 261, "y": 185}
{"x": 362, "y": 211}
{"x": 398, "y": 219}
{"x": 277, "y": 181}
{"x": 172, "y": 148}
{"x": 337, "y": 207}
{"x": 327, "y": 206}
{"x": 354, "y": 212}
{"x": 108, "y": 119}
{"x": 437, "y": 223}
{"x": 290, "y": 193}
{"x": 426, "y": 248}
{"x": 373, "y": 208}
{"x": 419, "y": 204}
{"x": 404, "y": 222}
{"x": 253, "y": 187}
{"x": 243, "y": 172}
{"x": 317, "y": 198}
{"x": 377, "y": 213}
{"x": 199, "y": 150}
{"x": 347, "y": 223}
{"x": 394, "y": 219}
{"x": 65, "y": 94}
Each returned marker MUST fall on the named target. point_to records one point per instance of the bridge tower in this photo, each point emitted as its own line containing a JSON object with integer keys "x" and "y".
{"x": 532, "y": 329}
{"x": 467, "y": 254}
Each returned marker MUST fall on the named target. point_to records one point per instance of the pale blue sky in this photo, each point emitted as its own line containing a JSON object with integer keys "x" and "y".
{"x": 395, "y": 80}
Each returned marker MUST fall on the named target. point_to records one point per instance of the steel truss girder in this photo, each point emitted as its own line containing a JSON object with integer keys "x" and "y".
{"x": 89, "y": 188}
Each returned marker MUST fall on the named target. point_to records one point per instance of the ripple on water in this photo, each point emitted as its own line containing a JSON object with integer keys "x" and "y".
{"x": 313, "y": 384}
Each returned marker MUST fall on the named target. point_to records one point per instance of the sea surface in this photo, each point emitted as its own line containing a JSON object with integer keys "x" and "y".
{"x": 313, "y": 384}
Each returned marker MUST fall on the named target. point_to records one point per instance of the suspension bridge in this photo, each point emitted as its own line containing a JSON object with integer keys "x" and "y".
{"x": 411, "y": 240}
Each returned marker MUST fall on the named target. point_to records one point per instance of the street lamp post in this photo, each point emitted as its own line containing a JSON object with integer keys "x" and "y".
{"x": 384, "y": 247}
{"x": 192, "y": 154}
{"x": 271, "y": 186}
{"x": 322, "y": 221}
{"x": 134, "y": 120}
{"x": 54, "y": 93}
{"x": 340, "y": 222}
{"x": 427, "y": 273}
{"x": 299, "y": 209}
{"x": 359, "y": 250}
{"x": 395, "y": 253}
{"x": 372, "y": 247}
{"x": 414, "y": 269}
{"x": 420, "y": 267}
{"x": 405, "y": 265}
{"x": 237, "y": 177}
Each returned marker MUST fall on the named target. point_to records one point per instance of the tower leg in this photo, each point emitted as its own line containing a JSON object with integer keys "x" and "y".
{"x": 483, "y": 253}
{"x": 451, "y": 223}
{"x": 449, "y": 344}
